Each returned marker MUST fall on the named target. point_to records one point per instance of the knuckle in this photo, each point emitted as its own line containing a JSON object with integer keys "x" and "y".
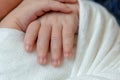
{"x": 39, "y": 44}
{"x": 54, "y": 50}
{"x": 69, "y": 35}
{"x": 54, "y": 41}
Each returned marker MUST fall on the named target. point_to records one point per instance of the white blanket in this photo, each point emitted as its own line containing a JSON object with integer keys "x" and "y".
{"x": 97, "y": 56}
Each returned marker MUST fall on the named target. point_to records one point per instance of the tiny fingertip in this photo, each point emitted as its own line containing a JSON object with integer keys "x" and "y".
{"x": 28, "y": 48}
{"x": 56, "y": 63}
{"x": 42, "y": 60}
{"x": 67, "y": 55}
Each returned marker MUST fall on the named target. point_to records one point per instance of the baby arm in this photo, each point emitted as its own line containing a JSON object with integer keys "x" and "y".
{"x": 55, "y": 32}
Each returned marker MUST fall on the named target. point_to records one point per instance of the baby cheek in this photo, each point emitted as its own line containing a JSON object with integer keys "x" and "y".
{"x": 6, "y": 6}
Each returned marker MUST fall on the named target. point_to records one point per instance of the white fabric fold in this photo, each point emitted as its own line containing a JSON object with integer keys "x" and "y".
{"x": 97, "y": 51}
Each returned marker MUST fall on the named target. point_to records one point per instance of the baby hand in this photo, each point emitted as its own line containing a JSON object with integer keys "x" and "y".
{"x": 54, "y": 32}
{"x": 30, "y": 10}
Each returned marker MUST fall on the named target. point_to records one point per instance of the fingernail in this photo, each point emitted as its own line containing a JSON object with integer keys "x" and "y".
{"x": 67, "y": 55}
{"x": 27, "y": 47}
{"x": 42, "y": 60}
{"x": 59, "y": 62}
{"x": 56, "y": 63}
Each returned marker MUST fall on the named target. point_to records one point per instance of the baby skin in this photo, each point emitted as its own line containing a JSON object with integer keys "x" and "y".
{"x": 55, "y": 32}
{"x": 52, "y": 32}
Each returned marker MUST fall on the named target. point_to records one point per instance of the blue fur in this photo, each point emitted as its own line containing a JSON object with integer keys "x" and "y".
{"x": 113, "y": 6}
